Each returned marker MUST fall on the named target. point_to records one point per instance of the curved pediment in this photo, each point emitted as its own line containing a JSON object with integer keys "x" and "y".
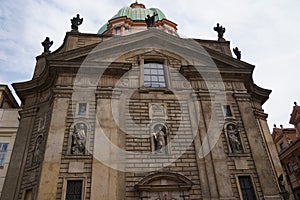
{"x": 164, "y": 181}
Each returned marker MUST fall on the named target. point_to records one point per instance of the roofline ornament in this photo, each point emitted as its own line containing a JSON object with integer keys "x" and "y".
{"x": 47, "y": 44}
{"x": 76, "y": 21}
{"x": 221, "y": 30}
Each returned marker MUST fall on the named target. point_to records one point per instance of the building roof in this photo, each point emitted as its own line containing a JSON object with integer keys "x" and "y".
{"x": 7, "y": 100}
{"x": 135, "y": 12}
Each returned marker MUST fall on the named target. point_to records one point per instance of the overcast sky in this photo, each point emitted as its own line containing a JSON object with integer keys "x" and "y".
{"x": 266, "y": 31}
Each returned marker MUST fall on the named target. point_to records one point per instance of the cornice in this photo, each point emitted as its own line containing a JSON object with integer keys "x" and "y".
{"x": 242, "y": 97}
{"x": 28, "y": 112}
{"x": 259, "y": 114}
{"x": 295, "y": 116}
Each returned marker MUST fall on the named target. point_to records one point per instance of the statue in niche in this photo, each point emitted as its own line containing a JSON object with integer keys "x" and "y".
{"x": 150, "y": 20}
{"x": 47, "y": 44}
{"x": 76, "y": 21}
{"x": 37, "y": 150}
{"x": 79, "y": 139}
{"x": 221, "y": 31}
{"x": 160, "y": 137}
{"x": 237, "y": 52}
{"x": 234, "y": 139}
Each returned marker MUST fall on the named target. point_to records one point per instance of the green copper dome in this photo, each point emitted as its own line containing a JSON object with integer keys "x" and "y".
{"x": 135, "y": 14}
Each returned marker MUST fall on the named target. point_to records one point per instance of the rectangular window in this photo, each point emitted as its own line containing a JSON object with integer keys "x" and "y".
{"x": 28, "y": 194}
{"x": 3, "y": 150}
{"x": 281, "y": 145}
{"x": 247, "y": 189}
{"x": 74, "y": 190}
{"x": 227, "y": 111}
{"x": 82, "y": 108}
{"x": 290, "y": 167}
{"x": 154, "y": 75}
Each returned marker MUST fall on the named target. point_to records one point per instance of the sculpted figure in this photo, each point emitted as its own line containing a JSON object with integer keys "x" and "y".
{"x": 37, "y": 150}
{"x": 237, "y": 52}
{"x": 79, "y": 140}
{"x": 234, "y": 139}
{"x": 76, "y": 21}
{"x": 159, "y": 137}
{"x": 220, "y": 30}
{"x": 47, "y": 44}
{"x": 150, "y": 20}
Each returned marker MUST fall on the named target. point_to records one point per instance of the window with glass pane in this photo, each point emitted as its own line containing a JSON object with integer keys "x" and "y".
{"x": 154, "y": 75}
{"x": 3, "y": 150}
{"x": 227, "y": 110}
{"x": 74, "y": 190}
{"x": 247, "y": 188}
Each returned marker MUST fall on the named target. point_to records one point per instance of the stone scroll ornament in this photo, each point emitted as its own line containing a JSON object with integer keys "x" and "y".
{"x": 76, "y": 21}
{"x": 234, "y": 138}
{"x": 47, "y": 44}
{"x": 79, "y": 139}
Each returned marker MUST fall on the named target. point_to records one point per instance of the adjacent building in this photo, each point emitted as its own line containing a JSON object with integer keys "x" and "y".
{"x": 287, "y": 142}
{"x": 137, "y": 112}
{"x": 9, "y": 123}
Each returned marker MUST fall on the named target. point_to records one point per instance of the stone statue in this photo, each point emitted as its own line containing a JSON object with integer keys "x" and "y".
{"x": 237, "y": 52}
{"x": 220, "y": 30}
{"x": 76, "y": 21}
{"x": 150, "y": 20}
{"x": 47, "y": 44}
{"x": 79, "y": 139}
{"x": 37, "y": 150}
{"x": 159, "y": 135}
{"x": 234, "y": 139}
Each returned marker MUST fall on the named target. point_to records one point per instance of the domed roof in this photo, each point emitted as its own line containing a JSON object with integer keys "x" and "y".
{"x": 135, "y": 12}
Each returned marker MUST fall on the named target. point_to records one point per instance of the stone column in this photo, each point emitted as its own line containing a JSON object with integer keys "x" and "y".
{"x": 262, "y": 162}
{"x": 270, "y": 146}
{"x": 208, "y": 160}
{"x": 107, "y": 183}
{"x": 195, "y": 116}
{"x": 53, "y": 150}
{"x": 15, "y": 171}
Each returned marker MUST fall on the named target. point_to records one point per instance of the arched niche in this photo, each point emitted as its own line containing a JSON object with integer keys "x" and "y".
{"x": 233, "y": 137}
{"x": 79, "y": 135}
{"x": 159, "y": 134}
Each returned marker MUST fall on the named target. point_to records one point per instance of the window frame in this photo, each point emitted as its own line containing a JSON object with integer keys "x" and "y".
{"x": 224, "y": 109}
{"x": 154, "y": 59}
{"x": 3, "y": 153}
{"x": 78, "y": 113}
{"x": 154, "y": 66}
{"x": 281, "y": 145}
{"x": 252, "y": 184}
{"x": 65, "y": 185}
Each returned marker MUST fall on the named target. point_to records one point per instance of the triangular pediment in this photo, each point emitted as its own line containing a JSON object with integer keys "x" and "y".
{"x": 154, "y": 43}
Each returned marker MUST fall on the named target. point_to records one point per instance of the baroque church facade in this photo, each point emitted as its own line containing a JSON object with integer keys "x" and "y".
{"x": 137, "y": 112}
